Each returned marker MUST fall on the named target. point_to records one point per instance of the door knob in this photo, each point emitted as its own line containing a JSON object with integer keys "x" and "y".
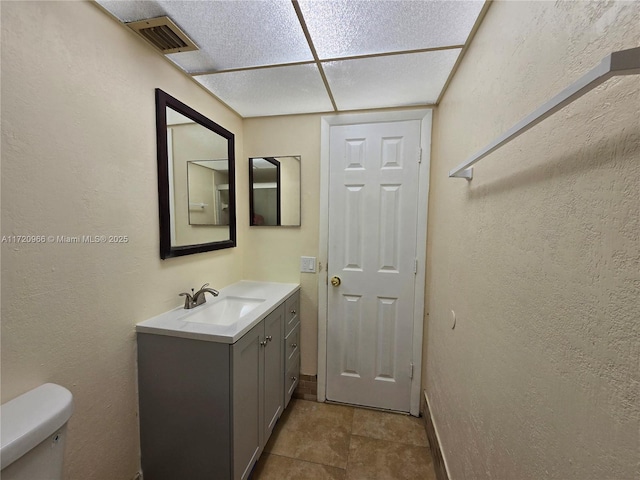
{"x": 335, "y": 281}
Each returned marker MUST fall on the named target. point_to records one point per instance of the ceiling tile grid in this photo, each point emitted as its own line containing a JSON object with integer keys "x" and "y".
{"x": 271, "y": 91}
{"x": 342, "y": 28}
{"x": 398, "y": 80}
{"x": 278, "y": 57}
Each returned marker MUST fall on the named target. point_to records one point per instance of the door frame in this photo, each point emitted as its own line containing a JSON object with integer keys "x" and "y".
{"x": 326, "y": 122}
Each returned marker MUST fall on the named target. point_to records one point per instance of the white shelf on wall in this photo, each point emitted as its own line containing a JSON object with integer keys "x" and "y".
{"x": 623, "y": 62}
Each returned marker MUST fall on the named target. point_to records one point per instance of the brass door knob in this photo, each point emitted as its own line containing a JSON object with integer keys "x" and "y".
{"x": 335, "y": 281}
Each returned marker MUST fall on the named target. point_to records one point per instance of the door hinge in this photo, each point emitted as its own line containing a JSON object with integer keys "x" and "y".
{"x": 420, "y": 155}
{"x": 415, "y": 266}
{"x": 411, "y": 371}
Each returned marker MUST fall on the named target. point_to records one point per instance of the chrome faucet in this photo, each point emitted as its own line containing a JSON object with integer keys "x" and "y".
{"x": 192, "y": 300}
{"x": 199, "y": 297}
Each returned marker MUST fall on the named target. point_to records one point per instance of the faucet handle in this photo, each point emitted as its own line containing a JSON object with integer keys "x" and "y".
{"x": 188, "y": 299}
{"x": 204, "y": 286}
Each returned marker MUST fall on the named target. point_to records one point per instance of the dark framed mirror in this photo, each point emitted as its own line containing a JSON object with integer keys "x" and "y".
{"x": 196, "y": 180}
{"x": 274, "y": 191}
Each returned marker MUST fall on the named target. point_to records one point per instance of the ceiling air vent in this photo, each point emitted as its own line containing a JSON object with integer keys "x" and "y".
{"x": 163, "y": 34}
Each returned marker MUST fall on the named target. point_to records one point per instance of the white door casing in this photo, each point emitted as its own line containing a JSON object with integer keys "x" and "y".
{"x": 373, "y": 233}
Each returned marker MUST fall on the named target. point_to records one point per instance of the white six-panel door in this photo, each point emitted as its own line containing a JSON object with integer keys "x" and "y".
{"x": 373, "y": 208}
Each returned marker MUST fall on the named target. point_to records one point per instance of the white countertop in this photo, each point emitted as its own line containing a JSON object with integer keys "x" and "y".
{"x": 172, "y": 324}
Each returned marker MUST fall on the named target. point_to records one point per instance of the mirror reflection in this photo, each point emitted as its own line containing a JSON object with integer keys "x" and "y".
{"x": 274, "y": 191}
{"x": 208, "y": 192}
{"x": 196, "y": 181}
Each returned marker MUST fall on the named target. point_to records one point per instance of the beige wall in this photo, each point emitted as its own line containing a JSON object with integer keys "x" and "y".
{"x": 273, "y": 253}
{"x": 79, "y": 157}
{"x": 538, "y": 256}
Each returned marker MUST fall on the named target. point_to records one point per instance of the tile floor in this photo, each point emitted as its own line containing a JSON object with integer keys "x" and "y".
{"x": 320, "y": 441}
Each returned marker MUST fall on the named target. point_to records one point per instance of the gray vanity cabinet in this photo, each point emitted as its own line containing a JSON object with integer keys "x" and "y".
{"x": 273, "y": 368}
{"x": 248, "y": 395}
{"x": 257, "y": 390}
{"x": 207, "y": 409}
{"x": 291, "y": 346}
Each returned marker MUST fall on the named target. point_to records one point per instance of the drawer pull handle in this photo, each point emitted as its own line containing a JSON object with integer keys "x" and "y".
{"x": 293, "y": 312}
{"x": 293, "y": 379}
{"x": 294, "y": 345}
{"x": 269, "y": 338}
{"x": 263, "y": 343}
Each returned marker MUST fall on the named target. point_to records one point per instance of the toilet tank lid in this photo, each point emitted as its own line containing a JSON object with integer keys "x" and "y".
{"x": 29, "y": 419}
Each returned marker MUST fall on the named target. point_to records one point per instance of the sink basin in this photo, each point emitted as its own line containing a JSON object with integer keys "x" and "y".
{"x": 223, "y": 311}
{"x": 225, "y": 318}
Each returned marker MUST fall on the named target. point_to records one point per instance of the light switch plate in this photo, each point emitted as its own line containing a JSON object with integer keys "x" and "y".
{"x": 308, "y": 264}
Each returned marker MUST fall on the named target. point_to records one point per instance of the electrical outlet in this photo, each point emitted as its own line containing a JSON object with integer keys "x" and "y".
{"x": 308, "y": 264}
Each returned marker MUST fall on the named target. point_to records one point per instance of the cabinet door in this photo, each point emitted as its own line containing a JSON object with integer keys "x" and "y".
{"x": 248, "y": 377}
{"x": 273, "y": 368}
{"x": 292, "y": 307}
{"x": 291, "y": 379}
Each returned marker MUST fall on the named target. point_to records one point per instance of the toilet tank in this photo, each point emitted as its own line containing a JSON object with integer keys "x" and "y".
{"x": 33, "y": 428}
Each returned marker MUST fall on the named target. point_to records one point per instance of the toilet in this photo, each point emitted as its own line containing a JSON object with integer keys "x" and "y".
{"x": 33, "y": 428}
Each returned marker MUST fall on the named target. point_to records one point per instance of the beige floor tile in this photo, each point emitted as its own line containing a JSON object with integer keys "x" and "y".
{"x": 315, "y": 432}
{"x": 371, "y": 459}
{"x": 389, "y": 426}
{"x": 275, "y": 467}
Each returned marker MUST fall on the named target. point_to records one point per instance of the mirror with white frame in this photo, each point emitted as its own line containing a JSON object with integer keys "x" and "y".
{"x": 274, "y": 191}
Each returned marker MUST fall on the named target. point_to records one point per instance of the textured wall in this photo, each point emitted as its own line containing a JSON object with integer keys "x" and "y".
{"x": 273, "y": 253}
{"x": 540, "y": 255}
{"x": 79, "y": 157}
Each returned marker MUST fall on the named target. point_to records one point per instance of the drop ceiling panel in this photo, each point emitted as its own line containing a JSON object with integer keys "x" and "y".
{"x": 229, "y": 35}
{"x": 270, "y": 91}
{"x": 391, "y": 81}
{"x": 133, "y": 10}
{"x": 340, "y": 28}
{"x": 375, "y": 53}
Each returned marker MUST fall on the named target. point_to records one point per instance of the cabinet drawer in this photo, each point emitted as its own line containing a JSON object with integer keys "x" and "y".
{"x": 291, "y": 379}
{"x": 292, "y": 315}
{"x": 292, "y": 345}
